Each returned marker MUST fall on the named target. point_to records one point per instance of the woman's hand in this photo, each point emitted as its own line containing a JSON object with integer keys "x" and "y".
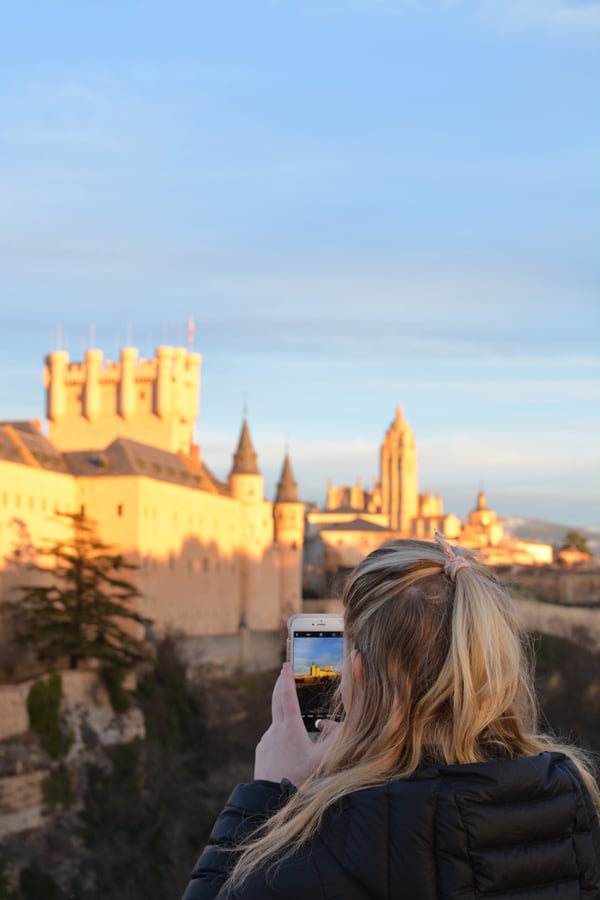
{"x": 285, "y": 749}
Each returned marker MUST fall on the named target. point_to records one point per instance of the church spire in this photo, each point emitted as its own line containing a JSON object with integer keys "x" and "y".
{"x": 244, "y": 458}
{"x": 287, "y": 488}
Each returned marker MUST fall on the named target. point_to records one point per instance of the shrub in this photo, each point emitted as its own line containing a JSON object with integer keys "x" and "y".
{"x": 6, "y": 892}
{"x": 57, "y": 788}
{"x": 112, "y": 678}
{"x": 43, "y": 708}
{"x": 36, "y": 884}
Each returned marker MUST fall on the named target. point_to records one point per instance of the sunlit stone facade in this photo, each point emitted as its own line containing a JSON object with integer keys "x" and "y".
{"x": 215, "y": 555}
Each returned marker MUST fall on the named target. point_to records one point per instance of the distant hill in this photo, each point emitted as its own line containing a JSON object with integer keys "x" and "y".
{"x": 548, "y": 532}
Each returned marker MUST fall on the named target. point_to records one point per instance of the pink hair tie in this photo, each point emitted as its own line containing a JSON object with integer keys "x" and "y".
{"x": 454, "y": 563}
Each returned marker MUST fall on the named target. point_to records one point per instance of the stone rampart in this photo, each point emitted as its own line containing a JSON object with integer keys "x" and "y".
{"x": 226, "y": 654}
{"x": 568, "y": 586}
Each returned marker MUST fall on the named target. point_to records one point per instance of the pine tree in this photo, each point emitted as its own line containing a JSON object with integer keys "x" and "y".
{"x": 84, "y": 606}
{"x": 575, "y": 540}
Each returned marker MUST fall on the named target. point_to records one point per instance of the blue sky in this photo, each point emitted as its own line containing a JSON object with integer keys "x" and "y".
{"x": 318, "y": 650}
{"x": 361, "y": 203}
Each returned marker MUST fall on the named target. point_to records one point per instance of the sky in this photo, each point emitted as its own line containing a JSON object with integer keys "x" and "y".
{"x": 318, "y": 650}
{"x": 360, "y": 203}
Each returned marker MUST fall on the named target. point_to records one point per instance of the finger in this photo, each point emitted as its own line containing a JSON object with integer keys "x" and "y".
{"x": 289, "y": 695}
{"x": 276, "y": 704}
{"x": 327, "y": 727}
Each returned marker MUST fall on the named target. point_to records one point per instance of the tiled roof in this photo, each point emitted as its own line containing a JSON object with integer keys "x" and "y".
{"x": 353, "y": 525}
{"x": 126, "y": 457}
{"x": 23, "y": 443}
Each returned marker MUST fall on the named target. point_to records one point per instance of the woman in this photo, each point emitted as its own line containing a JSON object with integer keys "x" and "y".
{"x": 437, "y": 784}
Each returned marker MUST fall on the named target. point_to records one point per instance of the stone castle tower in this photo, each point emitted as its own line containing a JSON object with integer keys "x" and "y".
{"x": 288, "y": 514}
{"x": 289, "y": 511}
{"x": 276, "y": 529}
{"x": 153, "y": 401}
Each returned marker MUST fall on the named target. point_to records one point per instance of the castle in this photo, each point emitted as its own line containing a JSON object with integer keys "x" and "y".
{"x": 357, "y": 520}
{"x": 218, "y": 563}
{"x": 215, "y": 557}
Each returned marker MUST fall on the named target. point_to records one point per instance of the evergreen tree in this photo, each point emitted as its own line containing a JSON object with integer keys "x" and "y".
{"x": 575, "y": 540}
{"x": 84, "y": 605}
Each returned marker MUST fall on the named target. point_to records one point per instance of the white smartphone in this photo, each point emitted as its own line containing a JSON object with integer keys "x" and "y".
{"x": 316, "y": 652}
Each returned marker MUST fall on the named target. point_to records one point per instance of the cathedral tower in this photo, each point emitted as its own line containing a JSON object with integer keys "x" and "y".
{"x": 399, "y": 483}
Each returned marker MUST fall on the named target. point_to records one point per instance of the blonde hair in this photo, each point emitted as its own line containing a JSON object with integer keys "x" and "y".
{"x": 446, "y": 679}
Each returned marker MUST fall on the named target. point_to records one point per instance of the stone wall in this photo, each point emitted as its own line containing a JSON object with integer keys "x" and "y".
{"x": 582, "y": 626}
{"x": 572, "y": 586}
{"x": 227, "y": 654}
{"x": 577, "y": 624}
{"x": 13, "y": 711}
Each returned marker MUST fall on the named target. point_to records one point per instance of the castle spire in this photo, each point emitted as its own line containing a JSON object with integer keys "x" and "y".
{"x": 287, "y": 488}
{"x": 244, "y": 458}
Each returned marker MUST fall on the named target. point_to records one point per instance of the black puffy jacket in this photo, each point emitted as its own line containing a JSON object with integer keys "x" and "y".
{"x": 522, "y": 829}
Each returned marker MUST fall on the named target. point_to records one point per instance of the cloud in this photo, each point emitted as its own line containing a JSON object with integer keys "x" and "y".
{"x": 580, "y": 14}
{"x": 574, "y": 15}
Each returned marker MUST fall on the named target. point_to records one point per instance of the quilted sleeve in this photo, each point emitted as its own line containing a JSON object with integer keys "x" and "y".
{"x": 248, "y": 807}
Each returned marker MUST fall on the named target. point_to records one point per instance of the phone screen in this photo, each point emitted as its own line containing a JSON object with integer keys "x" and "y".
{"x": 318, "y": 657}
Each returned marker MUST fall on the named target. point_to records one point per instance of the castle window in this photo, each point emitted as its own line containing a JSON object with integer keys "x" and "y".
{"x": 43, "y": 504}
{"x": 205, "y": 564}
{"x": 171, "y": 561}
{"x": 119, "y": 509}
{"x": 17, "y": 500}
{"x": 175, "y": 516}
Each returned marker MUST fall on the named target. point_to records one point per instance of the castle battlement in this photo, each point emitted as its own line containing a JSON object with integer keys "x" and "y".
{"x": 91, "y": 403}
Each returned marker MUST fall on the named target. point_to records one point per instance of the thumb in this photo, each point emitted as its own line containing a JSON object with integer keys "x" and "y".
{"x": 327, "y": 727}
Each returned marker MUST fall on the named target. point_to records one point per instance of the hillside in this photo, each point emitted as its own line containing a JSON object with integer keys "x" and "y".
{"x": 548, "y": 532}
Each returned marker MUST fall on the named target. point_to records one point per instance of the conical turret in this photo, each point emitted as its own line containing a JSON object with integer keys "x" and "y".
{"x": 245, "y": 480}
{"x": 287, "y": 488}
{"x": 244, "y": 458}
